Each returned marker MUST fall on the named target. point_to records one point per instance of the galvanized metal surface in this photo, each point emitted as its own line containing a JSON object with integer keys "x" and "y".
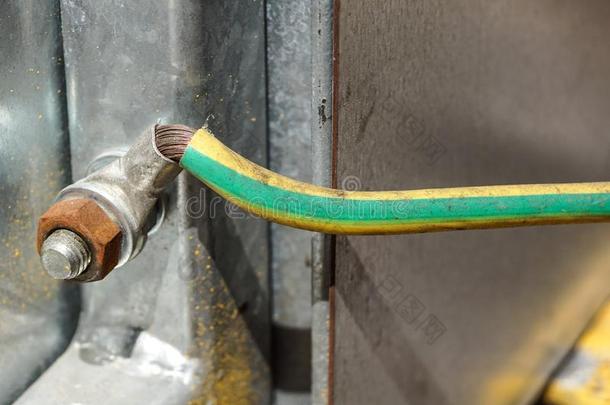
{"x": 289, "y": 114}
{"x": 37, "y": 314}
{"x": 322, "y": 146}
{"x": 435, "y": 94}
{"x": 195, "y": 340}
{"x": 188, "y": 319}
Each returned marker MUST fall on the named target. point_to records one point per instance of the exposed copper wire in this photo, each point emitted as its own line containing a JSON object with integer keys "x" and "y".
{"x": 171, "y": 140}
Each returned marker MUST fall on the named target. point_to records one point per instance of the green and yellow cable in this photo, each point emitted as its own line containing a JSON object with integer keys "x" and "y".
{"x": 301, "y": 205}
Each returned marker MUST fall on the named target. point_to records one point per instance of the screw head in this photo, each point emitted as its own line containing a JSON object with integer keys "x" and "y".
{"x": 64, "y": 255}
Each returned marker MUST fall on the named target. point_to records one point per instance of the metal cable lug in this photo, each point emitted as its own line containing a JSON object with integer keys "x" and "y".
{"x": 110, "y": 210}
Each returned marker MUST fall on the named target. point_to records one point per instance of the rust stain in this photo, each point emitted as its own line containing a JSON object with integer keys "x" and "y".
{"x": 88, "y": 220}
{"x": 222, "y": 341}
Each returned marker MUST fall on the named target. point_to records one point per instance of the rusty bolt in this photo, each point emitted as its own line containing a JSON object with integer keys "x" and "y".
{"x": 87, "y": 219}
{"x": 65, "y": 255}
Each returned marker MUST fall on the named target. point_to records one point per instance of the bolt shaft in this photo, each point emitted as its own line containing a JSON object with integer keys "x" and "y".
{"x": 64, "y": 255}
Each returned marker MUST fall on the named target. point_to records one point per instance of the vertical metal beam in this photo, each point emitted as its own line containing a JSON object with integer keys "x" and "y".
{"x": 322, "y": 147}
{"x": 289, "y": 114}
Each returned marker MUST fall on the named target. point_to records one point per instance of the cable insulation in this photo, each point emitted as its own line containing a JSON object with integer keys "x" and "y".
{"x": 301, "y": 205}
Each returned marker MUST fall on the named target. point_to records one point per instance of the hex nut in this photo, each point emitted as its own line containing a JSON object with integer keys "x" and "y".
{"x": 87, "y": 219}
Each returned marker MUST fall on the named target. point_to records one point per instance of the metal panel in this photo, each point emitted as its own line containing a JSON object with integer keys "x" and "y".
{"x": 289, "y": 112}
{"x": 37, "y": 314}
{"x": 445, "y": 93}
{"x": 188, "y": 319}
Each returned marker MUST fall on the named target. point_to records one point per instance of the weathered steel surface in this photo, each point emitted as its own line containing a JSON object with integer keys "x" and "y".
{"x": 437, "y": 94}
